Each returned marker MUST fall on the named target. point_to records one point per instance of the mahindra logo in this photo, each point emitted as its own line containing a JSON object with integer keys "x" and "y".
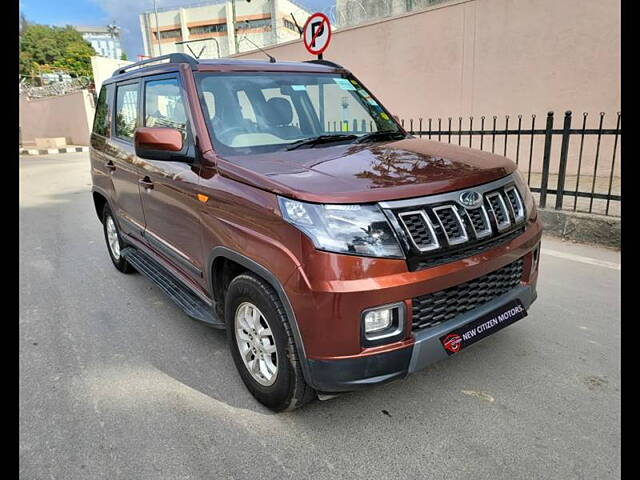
{"x": 470, "y": 198}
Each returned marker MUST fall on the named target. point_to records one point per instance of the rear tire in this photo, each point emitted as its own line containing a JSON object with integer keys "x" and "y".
{"x": 258, "y": 329}
{"x": 114, "y": 241}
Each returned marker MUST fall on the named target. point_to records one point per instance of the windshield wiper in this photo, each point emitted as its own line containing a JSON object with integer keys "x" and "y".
{"x": 310, "y": 142}
{"x": 381, "y": 135}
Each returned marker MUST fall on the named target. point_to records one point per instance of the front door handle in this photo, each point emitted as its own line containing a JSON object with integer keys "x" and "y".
{"x": 110, "y": 166}
{"x": 146, "y": 183}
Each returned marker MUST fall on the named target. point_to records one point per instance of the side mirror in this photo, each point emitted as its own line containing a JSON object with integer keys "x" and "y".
{"x": 157, "y": 143}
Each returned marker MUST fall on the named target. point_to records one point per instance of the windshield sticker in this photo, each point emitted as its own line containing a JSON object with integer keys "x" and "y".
{"x": 354, "y": 82}
{"x": 344, "y": 84}
{"x": 384, "y": 115}
{"x": 298, "y": 88}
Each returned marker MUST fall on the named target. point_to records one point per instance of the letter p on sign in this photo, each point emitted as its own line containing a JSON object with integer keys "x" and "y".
{"x": 317, "y": 33}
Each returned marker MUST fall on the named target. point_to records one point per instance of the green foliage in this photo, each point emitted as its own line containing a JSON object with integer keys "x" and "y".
{"x": 123, "y": 56}
{"x": 44, "y": 48}
{"x": 76, "y": 59}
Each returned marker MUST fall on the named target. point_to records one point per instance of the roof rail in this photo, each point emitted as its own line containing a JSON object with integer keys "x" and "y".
{"x": 172, "y": 57}
{"x": 324, "y": 62}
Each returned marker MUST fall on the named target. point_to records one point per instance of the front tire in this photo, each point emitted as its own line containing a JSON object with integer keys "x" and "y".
{"x": 114, "y": 241}
{"x": 262, "y": 345}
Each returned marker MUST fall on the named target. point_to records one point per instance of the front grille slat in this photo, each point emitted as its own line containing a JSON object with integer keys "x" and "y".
{"x": 499, "y": 209}
{"x": 446, "y": 227}
{"x": 515, "y": 202}
{"x": 420, "y": 230}
{"x": 451, "y": 224}
{"x": 480, "y": 221}
{"x": 434, "y": 308}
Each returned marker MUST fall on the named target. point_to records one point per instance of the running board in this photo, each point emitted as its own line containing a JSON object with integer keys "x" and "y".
{"x": 192, "y": 305}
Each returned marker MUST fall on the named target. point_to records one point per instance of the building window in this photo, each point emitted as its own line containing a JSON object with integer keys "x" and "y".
{"x": 250, "y": 24}
{"x": 169, "y": 34}
{"x": 290, "y": 25}
{"x": 218, "y": 27}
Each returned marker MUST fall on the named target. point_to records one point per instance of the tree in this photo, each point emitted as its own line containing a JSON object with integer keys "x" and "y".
{"x": 23, "y": 23}
{"x": 76, "y": 59}
{"x": 45, "y": 48}
{"x": 123, "y": 56}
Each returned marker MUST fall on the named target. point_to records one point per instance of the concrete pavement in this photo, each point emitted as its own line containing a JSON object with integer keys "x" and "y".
{"x": 116, "y": 382}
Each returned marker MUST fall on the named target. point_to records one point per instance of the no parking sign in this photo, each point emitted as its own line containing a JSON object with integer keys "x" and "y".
{"x": 317, "y": 34}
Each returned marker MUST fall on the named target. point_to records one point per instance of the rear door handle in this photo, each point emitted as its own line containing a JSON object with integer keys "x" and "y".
{"x": 110, "y": 166}
{"x": 146, "y": 183}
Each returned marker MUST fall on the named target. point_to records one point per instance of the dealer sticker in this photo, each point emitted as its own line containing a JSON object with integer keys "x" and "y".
{"x": 470, "y": 333}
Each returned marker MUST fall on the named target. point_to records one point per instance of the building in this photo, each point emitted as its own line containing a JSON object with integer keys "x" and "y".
{"x": 207, "y": 29}
{"x": 104, "y": 40}
{"x": 354, "y": 12}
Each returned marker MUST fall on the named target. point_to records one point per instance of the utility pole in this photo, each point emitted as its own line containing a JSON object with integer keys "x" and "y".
{"x": 155, "y": 10}
{"x": 233, "y": 21}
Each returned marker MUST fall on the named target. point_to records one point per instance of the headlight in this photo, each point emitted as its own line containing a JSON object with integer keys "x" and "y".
{"x": 353, "y": 229}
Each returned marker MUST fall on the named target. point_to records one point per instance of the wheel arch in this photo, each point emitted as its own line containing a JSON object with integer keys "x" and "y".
{"x": 250, "y": 265}
{"x": 99, "y": 201}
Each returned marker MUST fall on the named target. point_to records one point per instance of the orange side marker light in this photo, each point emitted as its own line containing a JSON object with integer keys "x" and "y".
{"x": 203, "y": 198}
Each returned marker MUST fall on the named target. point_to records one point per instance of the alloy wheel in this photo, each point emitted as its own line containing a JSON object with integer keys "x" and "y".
{"x": 256, "y": 344}
{"x": 112, "y": 238}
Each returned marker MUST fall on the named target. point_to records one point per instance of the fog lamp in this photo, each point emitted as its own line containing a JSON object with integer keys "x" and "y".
{"x": 377, "y": 320}
{"x": 383, "y": 324}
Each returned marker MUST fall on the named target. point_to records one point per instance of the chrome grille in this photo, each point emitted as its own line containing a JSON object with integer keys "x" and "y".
{"x": 499, "y": 210}
{"x": 516, "y": 203}
{"x": 480, "y": 221}
{"x": 420, "y": 230}
{"x": 449, "y": 225}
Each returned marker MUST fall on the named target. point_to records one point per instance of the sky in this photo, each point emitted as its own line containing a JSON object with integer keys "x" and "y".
{"x": 124, "y": 12}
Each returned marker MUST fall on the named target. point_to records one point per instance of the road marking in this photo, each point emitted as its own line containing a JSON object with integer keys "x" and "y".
{"x": 579, "y": 258}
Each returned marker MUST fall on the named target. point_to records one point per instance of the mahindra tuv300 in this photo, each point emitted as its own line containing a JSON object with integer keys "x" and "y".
{"x": 283, "y": 202}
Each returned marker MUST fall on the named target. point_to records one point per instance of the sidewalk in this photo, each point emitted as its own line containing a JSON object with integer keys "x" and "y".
{"x": 32, "y": 150}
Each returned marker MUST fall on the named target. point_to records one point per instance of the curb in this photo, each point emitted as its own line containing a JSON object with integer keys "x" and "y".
{"x": 582, "y": 227}
{"x": 35, "y": 151}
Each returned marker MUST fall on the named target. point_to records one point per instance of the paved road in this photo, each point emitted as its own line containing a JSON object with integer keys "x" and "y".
{"x": 116, "y": 382}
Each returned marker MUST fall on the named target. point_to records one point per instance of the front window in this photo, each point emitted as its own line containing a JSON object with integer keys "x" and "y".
{"x": 265, "y": 112}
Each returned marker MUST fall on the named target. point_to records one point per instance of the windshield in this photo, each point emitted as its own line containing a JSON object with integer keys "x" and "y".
{"x": 264, "y": 112}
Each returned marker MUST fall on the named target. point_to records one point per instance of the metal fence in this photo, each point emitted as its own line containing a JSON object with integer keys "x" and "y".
{"x": 570, "y": 168}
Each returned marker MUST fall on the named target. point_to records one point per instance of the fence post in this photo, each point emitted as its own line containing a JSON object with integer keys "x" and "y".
{"x": 564, "y": 149}
{"x": 546, "y": 159}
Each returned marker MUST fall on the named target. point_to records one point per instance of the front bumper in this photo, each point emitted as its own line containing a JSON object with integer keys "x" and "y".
{"x": 333, "y": 376}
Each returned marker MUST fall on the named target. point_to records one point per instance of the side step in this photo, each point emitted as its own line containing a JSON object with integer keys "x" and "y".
{"x": 192, "y": 305}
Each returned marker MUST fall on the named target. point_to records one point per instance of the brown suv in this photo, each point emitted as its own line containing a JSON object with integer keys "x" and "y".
{"x": 283, "y": 202}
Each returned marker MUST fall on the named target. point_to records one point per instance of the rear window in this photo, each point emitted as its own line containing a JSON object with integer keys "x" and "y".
{"x": 102, "y": 119}
{"x": 126, "y": 111}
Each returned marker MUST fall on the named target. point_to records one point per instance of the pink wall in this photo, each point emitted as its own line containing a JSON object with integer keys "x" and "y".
{"x": 485, "y": 57}
{"x": 490, "y": 57}
{"x": 69, "y": 116}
